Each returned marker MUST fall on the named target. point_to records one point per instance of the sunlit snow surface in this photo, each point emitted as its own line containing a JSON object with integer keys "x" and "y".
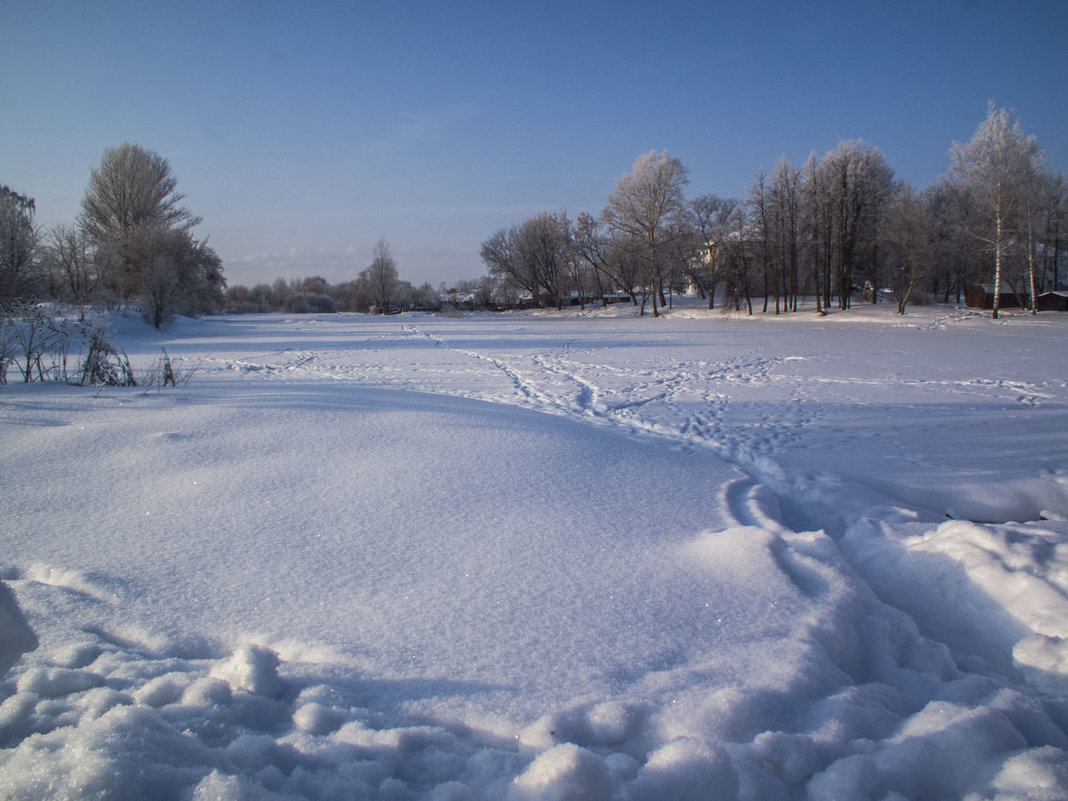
{"x": 544, "y": 556}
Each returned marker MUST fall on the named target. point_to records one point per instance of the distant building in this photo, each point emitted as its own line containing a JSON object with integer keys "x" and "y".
{"x": 1053, "y": 301}
{"x": 981, "y": 296}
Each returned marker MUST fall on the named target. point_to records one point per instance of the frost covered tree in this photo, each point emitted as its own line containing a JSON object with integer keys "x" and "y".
{"x": 858, "y": 184}
{"x": 18, "y": 245}
{"x": 842, "y": 198}
{"x": 998, "y": 169}
{"x": 131, "y": 199}
{"x": 133, "y": 187}
{"x": 381, "y": 278}
{"x": 648, "y": 206}
{"x": 133, "y": 217}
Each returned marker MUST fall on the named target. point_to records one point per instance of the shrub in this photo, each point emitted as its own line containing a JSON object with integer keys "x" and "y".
{"x": 164, "y": 372}
{"x": 105, "y": 364}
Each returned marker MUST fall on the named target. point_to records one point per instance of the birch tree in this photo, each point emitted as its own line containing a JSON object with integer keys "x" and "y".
{"x": 997, "y": 168}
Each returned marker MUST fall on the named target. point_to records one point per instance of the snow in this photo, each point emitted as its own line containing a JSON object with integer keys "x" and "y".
{"x": 16, "y": 636}
{"x": 544, "y": 556}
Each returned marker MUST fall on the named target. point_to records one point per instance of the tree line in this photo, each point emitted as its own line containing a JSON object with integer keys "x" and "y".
{"x": 835, "y": 227}
{"x": 131, "y": 244}
{"x": 315, "y": 295}
{"x": 377, "y": 289}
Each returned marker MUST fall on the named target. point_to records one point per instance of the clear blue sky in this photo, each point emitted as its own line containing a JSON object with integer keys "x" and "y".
{"x": 303, "y": 132}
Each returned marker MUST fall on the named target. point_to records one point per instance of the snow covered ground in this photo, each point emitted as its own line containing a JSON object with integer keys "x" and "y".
{"x": 544, "y": 556}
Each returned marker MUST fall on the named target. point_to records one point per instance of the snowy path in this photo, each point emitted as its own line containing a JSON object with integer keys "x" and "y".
{"x": 765, "y": 411}
{"x": 546, "y": 557}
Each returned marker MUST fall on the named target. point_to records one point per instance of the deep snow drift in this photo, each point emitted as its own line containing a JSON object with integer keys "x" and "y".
{"x": 544, "y": 556}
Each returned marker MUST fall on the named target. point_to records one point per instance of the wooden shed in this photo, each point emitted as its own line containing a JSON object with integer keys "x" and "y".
{"x": 1053, "y": 301}
{"x": 981, "y": 296}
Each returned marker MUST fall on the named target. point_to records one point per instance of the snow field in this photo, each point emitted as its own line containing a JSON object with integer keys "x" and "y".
{"x": 542, "y": 557}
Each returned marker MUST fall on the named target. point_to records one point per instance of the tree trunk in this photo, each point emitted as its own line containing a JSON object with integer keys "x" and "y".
{"x": 997, "y": 255}
{"x": 1031, "y": 266}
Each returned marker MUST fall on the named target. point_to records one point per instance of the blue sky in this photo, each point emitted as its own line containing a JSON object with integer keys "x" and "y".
{"x": 303, "y": 132}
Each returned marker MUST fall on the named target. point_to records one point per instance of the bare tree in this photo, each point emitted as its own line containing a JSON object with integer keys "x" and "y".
{"x": 712, "y": 217}
{"x": 736, "y": 252}
{"x": 952, "y": 243}
{"x": 649, "y": 207}
{"x": 381, "y": 278}
{"x": 77, "y": 272}
{"x": 817, "y": 229}
{"x": 7, "y": 343}
{"x": 997, "y": 168}
{"x": 1056, "y": 209}
{"x": 611, "y": 255}
{"x": 580, "y": 278}
{"x": 540, "y": 248}
{"x": 784, "y": 201}
{"x": 908, "y": 234}
{"x": 534, "y": 256}
{"x": 498, "y": 254}
{"x": 764, "y": 225}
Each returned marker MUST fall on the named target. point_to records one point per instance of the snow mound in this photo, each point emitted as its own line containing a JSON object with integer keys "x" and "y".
{"x": 253, "y": 669}
{"x": 16, "y": 636}
{"x": 563, "y": 773}
{"x": 957, "y": 579}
